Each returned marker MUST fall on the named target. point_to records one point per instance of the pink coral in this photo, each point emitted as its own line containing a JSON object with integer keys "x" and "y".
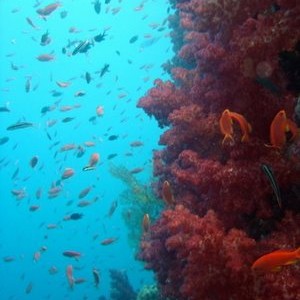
{"x": 208, "y": 262}
{"x": 229, "y": 56}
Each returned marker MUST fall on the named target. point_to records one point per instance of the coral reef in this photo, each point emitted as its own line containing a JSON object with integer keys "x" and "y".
{"x": 235, "y": 55}
{"x": 148, "y": 292}
{"x": 120, "y": 286}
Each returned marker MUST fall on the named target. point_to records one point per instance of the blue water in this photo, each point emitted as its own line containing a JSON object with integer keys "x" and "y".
{"x": 131, "y": 73}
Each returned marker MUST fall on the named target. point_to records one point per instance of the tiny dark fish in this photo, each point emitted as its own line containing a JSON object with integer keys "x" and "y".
{"x": 63, "y": 14}
{"x": 67, "y": 119}
{"x": 104, "y": 70}
{"x": 8, "y": 258}
{"x": 45, "y": 39}
{"x": 100, "y": 37}
{"x": 80, "y": 151}
{"x": 76, "y": 216}
{"x": 136, "y": 170}
{"x": 274, "y": 184}
{"x": 133, "y": 39}
{"x": 93, "y": 119}
{"x": 28, "y": 85}
{"x": 29, "y": 21}
{"x": 15, "y": 174}
{"x": 83, "y": 47}
{"x": 112, "y": 155}
{"x": 97, "y": 6}
{"x": 4, "y": 109}
{"x": 136, "y": 144}
{"x": 88, "y": 77}
{"x": 161, "y": 29}
{"x": 45, "y": 109}
{"x": 49, "y": 136}
{"x": 33, "y": 162}
{"x": 71, "y": 253}
{"x": 96, "y": 275}
{"x": 112, "y": 137}
{"x": 112, "y": 208}
{"x": 29, "y": 288}
{"x": 56, "y": 93}
{"x": 4, "y": 140}
{"x": 19, "y": 125}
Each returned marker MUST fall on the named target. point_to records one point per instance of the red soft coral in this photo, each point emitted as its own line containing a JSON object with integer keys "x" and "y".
{"x": 228, "y": 56}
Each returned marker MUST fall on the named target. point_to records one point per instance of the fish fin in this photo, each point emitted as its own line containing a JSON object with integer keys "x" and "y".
{"x": 276, "y": 269}
{"x": 245, "y": 138}
{"x": 249, "y": 127}
{"x": 292, "y": 127}
{"x": 291, "y": 262}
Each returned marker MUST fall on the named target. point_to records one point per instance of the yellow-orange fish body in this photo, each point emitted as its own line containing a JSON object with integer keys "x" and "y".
{"x": 167, "y": 193}
{"x": 226, "y": 126}
{"x": 272, "y": 262}
{"x": 279, "y": 126}
{"x": 146, "y": 223}
{"x": 244, "y": 125}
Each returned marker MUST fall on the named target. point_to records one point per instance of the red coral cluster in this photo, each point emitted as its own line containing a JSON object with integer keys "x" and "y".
{"x": 229, "y": 56}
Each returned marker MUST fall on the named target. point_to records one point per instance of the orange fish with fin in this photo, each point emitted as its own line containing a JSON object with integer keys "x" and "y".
{"x": 226, "y": 125}
{"x": 94, "y": 159}
{"x": 279, "y": 127}
{"x": 167, "y": 193}
{"x": 273, "y": 262}
{"x": 146, "y": 223}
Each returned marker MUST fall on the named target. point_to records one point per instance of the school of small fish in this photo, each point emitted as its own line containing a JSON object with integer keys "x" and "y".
{"x": 67, "y": 112}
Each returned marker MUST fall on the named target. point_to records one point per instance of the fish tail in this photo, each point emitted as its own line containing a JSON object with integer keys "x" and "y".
{"x": 298, "y": 253}
{"x": 245, "y": 138}
{"x": 227, "y": 139}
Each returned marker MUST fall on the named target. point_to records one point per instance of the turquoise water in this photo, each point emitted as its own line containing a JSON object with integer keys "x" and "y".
{"x": 133, "y": 66}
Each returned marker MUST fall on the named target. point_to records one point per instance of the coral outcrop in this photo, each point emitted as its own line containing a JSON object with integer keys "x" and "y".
{"x": 232, "y": 55}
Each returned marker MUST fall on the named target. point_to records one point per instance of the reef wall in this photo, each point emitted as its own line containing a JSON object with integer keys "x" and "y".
{"x": 241, "y": 56}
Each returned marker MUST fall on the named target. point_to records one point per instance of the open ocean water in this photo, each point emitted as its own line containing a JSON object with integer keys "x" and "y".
{"x": 71, "y": 75}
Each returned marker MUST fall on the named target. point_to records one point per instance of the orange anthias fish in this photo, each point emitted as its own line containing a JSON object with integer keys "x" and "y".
{"x": 47, "y": 10}
{"x": 68, "y": 172}
{"x": 225, "y": 123}
{"x": 226, "y": 128}
{"x": 146, "y": 223}
{"x": 272, "y": 262}
{"x": 279, "y": 126}
{"x": 94, "y": 159}
{"x": 167, "y": 193}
